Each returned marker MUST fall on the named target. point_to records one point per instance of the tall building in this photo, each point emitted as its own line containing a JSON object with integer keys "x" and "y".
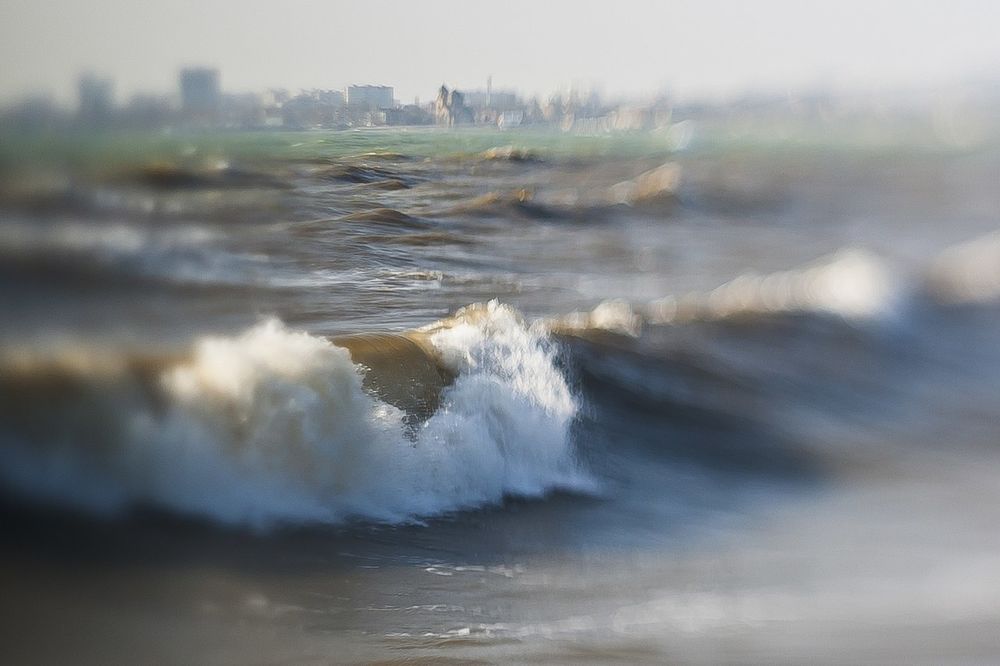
{"x": 370, "y": 97}
{"x": 96, "y": 99}
{"x": 200, "y": 96}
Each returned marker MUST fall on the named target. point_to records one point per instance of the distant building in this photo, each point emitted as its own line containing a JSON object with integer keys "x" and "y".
{"x": 411, "y": 114}
{"x": 450, "y": 108}
{"x": 243, "y": 110}
{"x": 336, "y": 98}
{"x": 491, "y": 99}
{"x": 146, "y": 111}
{"x": 370, "y": 97}
{"x": 96, "y": 100}
{"x": 200, "y": 95}
{"x": 508, "y": 119}
{"x": 35, "y": 114}
{"x": 318, "y": 108}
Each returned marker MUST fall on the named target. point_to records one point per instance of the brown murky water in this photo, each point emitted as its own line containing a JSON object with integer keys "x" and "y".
{"x": 730, "y": 404}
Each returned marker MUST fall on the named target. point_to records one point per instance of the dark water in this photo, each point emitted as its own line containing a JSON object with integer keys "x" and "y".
{"x": 587, "y": 399}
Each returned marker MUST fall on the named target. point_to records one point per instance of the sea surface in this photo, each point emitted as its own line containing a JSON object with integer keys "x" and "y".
{"x": 428, "y": 396}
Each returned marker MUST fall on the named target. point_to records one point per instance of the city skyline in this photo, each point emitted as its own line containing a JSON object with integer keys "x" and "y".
{"x": 770, "y": 47}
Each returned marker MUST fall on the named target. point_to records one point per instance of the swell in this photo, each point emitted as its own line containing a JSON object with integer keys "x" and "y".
{"x": 365, "y": 174}
{"x": 509, "y": 154}
{"x": 118, "y": 255}
{"x": 852, "y": 284}
{"x": 172, "y": 176}
{"x": 685, "y": 407}
{"x": 275, "y": 426}
{"x": 388, "y": 217}
{"x": 653, "y": 190}
{"x": 518, "y": 203}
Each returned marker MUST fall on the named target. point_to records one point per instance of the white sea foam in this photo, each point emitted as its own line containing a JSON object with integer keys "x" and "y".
{"x": 614, "y": 316}
{"x": 274, "y": 425}
{"x": 853, "y": 283}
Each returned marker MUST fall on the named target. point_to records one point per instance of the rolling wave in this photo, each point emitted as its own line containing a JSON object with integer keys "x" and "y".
{"x": 276, "y": 426}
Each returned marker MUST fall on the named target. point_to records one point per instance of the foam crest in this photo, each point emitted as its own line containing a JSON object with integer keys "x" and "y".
{"x": 614, "y": 316}
{"x": 510, "y": 397}
{"x": 852, "y": 283}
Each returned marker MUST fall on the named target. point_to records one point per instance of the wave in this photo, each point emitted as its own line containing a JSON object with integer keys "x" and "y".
{"x": 653, "y": 186}
{"x": 276, "y": 425}
{"x": 387, "y": 216}
{"x": 384, "y": 155}
{"x": 170, "y": 176}
{"x": 402, "y": 369}
{"x": 615, "y": 316}
{"x": 365, "y": 174}
{"x": 388, "y": 226}
{"x": 390, "y": 185}
{"x": 968, "y": 272}
{"x": 91, "y": 251}
{"x": 853, "y": 284}
{"x": 425, "y": 239}
{"x": 496, "y": 155}
{"x": 509, "y": 153}
{"x": 519, "y": 203}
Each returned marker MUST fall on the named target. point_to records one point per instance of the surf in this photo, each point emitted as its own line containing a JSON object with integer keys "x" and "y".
{"x": 275, "y": 426}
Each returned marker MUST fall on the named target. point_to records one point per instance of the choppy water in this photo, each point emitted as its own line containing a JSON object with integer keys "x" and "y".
{"x": 422, "y": 395}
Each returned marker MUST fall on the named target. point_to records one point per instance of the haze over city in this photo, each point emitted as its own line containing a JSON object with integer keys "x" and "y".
{"x": 690, "y": 49}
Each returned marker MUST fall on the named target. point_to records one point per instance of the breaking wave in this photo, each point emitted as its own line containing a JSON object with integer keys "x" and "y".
{"x": 275, "y": 425}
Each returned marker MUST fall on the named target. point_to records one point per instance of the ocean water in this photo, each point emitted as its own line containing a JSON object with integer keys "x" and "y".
{"x": 427, "y": 396}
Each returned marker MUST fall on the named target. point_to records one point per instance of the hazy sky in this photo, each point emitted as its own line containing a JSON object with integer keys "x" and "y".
{"x": 692, "y": 48}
